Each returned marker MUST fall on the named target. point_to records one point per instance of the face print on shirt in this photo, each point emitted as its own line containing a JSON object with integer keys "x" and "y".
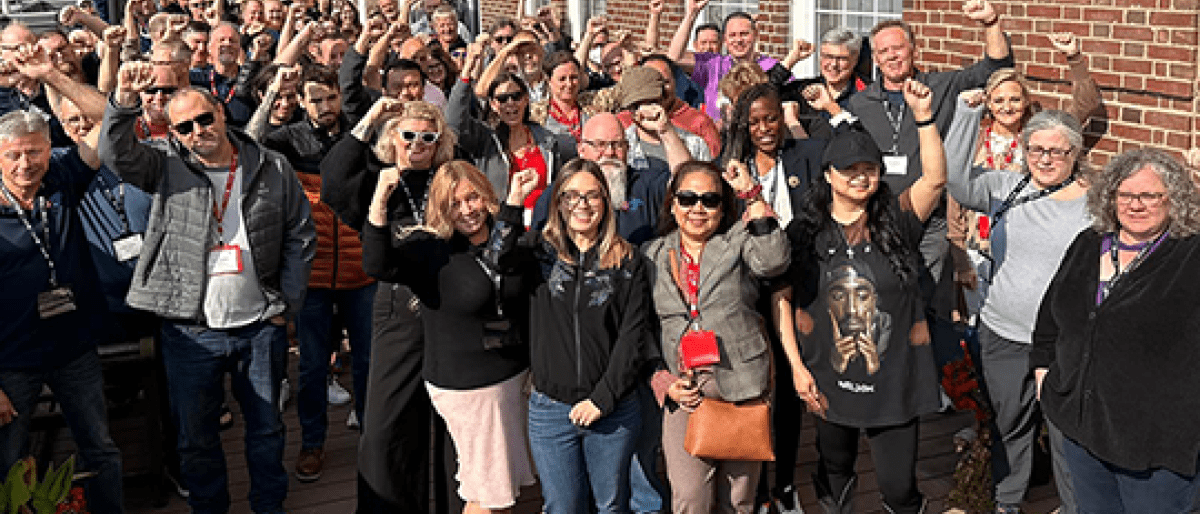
{"x": 860, "y": 329}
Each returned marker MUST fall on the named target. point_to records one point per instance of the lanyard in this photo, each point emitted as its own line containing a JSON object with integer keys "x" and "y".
{"x": 691, "y": 282}
{"x": 769, "y": 181}
{"x": 220, "y": 210}
{"x": 43, "y": 241}
{"x": 212, "y": 84}
{"x": 1012, "y": 200}
{"x": 118, "y": 203}
{"x": 1114, "y": 243}
{"x": 895, "y": 120}
{"x": 417, "y": 212}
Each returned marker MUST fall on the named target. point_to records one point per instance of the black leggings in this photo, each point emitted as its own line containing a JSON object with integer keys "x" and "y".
{"x": 893, "y": 449}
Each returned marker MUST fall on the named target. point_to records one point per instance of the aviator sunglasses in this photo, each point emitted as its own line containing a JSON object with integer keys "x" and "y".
{"x": 204, "y": 120}
{"x": 709, "y": 200}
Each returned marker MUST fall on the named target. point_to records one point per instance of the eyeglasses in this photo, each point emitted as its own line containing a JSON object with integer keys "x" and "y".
{"x": 504, "y": 98}
{"x": 572, "y": 198}
{"x": 1058, "y": 154}
{"x": 503, "y": 40}
{"x": 687, "y": 199}
{"x": 184, "y": 128}
{"x": 458, "y": 54}
{"x": 410, "y": 136}
{"x": 606, "y": 145}
{"x": 1147, "y": 199}
{"x": 165, "y": 90}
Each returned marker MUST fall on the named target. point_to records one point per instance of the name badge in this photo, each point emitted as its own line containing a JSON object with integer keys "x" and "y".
{"x": 127, "y": 247}
{"x": 895, "y": 164}
{"x": 225, "y": 260}
{"x": 59, "y": 300}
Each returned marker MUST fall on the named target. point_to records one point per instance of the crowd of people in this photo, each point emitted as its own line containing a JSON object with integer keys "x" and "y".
{"x": 552, "y": 259}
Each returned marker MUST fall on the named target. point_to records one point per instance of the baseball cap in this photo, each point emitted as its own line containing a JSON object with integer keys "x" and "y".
{"x": 849, "y": 147}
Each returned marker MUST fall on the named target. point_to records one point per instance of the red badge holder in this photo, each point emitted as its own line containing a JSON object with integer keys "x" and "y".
{"x": 698, "y": 348}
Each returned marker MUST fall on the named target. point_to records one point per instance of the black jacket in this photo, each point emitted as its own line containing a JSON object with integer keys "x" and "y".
{"x": 1123, "y": 380}
{"x": 586, "y": 336}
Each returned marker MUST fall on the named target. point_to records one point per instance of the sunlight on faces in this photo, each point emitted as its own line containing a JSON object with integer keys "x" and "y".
{"x": 708, "y": 41}
{"x": 198, "y": 42}
{"x": 417, "y": 154}
{"x": 404, "y": 85}
{"x": 740, "y": 38}
{"x": 1007, "y": 103}
{"x": 468, "y": 210}
{"x": 203, "y": 141}
{"x": 583, "y": 205}
{"x": 1045, "y": 168}
{"x": 154, "y": 106}
{"x": 224, "y": 45}
{"x": 74, "y": 122}
{"x": 837, "y": 63}
{"x": 252, "y": 12}
{"x": 697, "y": 222}
{"x": 273, "y": 14}
{"x": 565, "y": 82}
{"x": 24, "y": 161}
{"x": 1141, "y": 218}
{"x": 285, "y": 106}
{"x": 893, "y": 54}
{"x": 322, "y": 103}
{"x": 766, "y": 125}
{"x": 856, "y": 183}
{"x": 511, "y": 112}
{"x": 330, "y": 52}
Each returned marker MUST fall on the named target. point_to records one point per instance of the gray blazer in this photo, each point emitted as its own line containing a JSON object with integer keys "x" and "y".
{"x": 729, "y": 267}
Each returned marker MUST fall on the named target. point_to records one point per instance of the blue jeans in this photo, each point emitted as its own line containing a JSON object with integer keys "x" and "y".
{"x": 570, "y": 458}
{"x": 316, "y": 345}
{"x": 78, "y": 387}
{"x": 196, "y": 361}
{"x": 1104, "y": 488}
{"x": 646, "y": 489}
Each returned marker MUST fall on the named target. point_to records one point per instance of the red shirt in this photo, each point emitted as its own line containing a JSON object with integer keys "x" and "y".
{"x": 530, "y": 157}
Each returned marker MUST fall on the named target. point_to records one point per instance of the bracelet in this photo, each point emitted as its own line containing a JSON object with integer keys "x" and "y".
{"x": 465, "y": 80}
{"x": 750, "y": 193}
{"x": 926, "y": 123}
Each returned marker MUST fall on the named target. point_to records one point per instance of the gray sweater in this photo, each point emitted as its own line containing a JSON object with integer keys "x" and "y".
{"x": 1028, "y": 242}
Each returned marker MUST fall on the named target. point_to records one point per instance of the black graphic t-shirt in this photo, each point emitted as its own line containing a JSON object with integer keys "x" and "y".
{"x": 859, "y": 352}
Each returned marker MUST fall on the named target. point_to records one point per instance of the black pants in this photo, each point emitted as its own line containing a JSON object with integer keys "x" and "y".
{"x": 893, "y": 449}
{"x": 787, "y": 417}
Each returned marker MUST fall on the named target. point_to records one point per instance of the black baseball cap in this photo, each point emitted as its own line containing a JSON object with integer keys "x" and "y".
{"x": 849, "y": 147}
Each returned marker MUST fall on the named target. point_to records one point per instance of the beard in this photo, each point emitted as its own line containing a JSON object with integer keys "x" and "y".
{"x": 615, "y": 173}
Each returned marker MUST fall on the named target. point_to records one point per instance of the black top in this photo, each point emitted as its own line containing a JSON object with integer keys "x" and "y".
{"x": 456, "y": 298}
{"x": 1123, "y": 380}
{"x": 877, "y": 378}
{"x": 588, "y": 326}
{"x": 304, "y": 144}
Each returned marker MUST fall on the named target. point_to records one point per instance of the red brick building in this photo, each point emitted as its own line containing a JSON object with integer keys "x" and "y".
{"x": 1143, "y": 53}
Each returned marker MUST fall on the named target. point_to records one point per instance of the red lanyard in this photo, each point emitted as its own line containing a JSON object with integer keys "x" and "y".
{"x": 987, "y": 145}
{"x": 212, "y": 84}
{"x": 691, "y": 281}
{"x": 219, "y": 211}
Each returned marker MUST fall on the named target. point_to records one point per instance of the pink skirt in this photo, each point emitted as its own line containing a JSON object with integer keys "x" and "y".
{"x": 488, "y": 426}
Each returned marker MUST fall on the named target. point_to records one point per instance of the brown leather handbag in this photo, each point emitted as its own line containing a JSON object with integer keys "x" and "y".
{"x": 721, "y": 430}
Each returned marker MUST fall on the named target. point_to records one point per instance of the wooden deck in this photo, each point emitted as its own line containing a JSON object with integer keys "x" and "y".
{"x": 335, "y": 491}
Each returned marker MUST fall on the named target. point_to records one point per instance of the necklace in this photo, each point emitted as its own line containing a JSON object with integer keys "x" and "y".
{"x": 1008, "y": 155}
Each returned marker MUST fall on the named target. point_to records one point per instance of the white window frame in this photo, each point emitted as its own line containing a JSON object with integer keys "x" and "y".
{"x": 804, "y": 15}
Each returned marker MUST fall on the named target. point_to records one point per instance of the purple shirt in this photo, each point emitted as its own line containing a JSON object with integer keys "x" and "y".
{"x": 707, "y": 74}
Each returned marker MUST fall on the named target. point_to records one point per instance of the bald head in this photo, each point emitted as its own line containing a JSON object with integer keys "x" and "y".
{"x": 17, "y": 34}
{"x": 602, "y": 137}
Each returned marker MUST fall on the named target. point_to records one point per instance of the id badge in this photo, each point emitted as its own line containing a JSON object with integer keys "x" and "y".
{"x": 895, "y": 164}
{"x": 225, "y": 260}
{"x": 127, "y": 247}
{"x": 59, "y": 300}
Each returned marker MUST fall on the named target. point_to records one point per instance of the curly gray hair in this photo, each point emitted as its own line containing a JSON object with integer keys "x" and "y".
{"x": 1183, "y": 200}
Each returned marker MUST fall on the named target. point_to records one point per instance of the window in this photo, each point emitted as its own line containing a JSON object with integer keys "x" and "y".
{"x": 814, "y": 17}
{"x": 717, "y": 10}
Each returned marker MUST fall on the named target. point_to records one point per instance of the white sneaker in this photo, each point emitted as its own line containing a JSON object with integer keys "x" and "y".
{"x": 338, "y": 395}
{"x": 352, "y": 420}
{"x": 285, "y": 394}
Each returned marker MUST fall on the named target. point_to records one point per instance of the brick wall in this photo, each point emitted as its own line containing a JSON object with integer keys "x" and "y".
{"x": 1143, "y": 53}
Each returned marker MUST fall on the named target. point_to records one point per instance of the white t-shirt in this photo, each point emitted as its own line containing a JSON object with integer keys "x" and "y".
{"x": 232, "y": 300}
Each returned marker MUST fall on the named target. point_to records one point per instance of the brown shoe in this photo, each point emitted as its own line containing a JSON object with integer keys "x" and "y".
{"x": 309, "y": 464}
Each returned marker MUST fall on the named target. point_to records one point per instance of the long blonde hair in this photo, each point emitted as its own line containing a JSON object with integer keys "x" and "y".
{"x": 612, "y": 249}
{"x": 439, "y": 211}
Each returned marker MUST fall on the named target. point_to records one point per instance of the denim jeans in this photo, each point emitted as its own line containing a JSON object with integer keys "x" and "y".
{"x": 569, "y": 458}
{"x": 196, "y": 360}
{"x": 316, "y": 345}
{"x": 646, "y": 489}
{"x": 1104, "y": 488}
{"x": 78, "y": 387}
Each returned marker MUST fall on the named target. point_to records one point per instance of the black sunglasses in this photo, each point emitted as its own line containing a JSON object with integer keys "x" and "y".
{"x": 204, "y": 120}
{"x": 504, "y": 98}
{"x": 166, "y": 90}
{"x": 687, "y": 199}
{"x": 410, "y": 136}
{"x": 504, "y": 40}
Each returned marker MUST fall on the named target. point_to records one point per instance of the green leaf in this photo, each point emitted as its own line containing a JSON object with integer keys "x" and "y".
{"x": 18, "y": 491}
{"x": 61, "y": 485}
